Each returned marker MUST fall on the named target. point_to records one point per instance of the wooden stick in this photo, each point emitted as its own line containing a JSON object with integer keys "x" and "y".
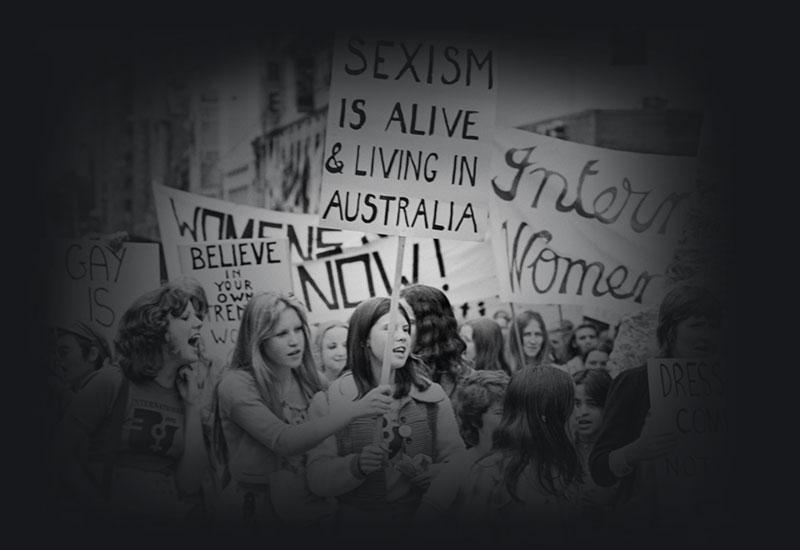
{"x": 386, "y": 367}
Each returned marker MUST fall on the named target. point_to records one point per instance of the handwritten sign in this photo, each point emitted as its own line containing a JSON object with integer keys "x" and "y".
{"x": 185, "y": 218}
{"x": 687, "y": 397}
{"x": 231, "y": 272}
{"x": 95, "y": 284}
{"x": 332, "y": 287}
{"x": 576, "y": 224}
{"x": 408, "y": 143}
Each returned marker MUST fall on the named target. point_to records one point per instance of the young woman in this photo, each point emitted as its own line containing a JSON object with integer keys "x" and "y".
{"x": 595, "y": 359}
{"x": 379, "y": 476}
{"x": 591, "y": 390}
{"x": 524, "y": 487}
{"x": 583, "y": 339}
{"x": 263, "y": 401}
{"x": 535, "y": 350}
{"x": 484, "y": 341}
{"x": 330, "y": 349}
{"x": 130, "y": 446}
{"x": 480, "y": 408}
{"x": 437, "y": 342}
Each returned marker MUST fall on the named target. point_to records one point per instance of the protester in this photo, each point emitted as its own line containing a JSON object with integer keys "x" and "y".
{"x": 688, "y": 321}
{"x": 484, "y": 342}
{"x": 264, "y": 430}
{"x": 437, "y": 341}
{"x": 596, "y": 358}
{"x": 583, "y": 339}
{"x": 379, "y": 475}
{"x": 330, "y": 350}
{"x": 130, "y": 447}
{"x": 558, "y": 348}
{"x": 480, "y": 408}
{"x": 503, "y": 320}
{"x": 530, "y": 332}
{"x": 591, "y": 390}
{"x": 523, "y": 488}
{"x": 79, "y": 351}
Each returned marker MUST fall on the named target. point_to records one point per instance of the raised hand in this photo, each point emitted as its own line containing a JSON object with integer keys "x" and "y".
{"x": 190, "y": 384}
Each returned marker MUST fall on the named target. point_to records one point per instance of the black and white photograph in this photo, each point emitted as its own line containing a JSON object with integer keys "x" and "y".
{"x": 397, "y": 286}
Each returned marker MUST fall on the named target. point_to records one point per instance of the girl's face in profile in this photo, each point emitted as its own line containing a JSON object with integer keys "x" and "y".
{"x": 466, "y": 334}
{"x": 183, "y": 335}
{"x": 587, "y": 415}
{"x": 334, "y": 350}
{"x": 490, "y": 421}
{"x": 379, "y": 339}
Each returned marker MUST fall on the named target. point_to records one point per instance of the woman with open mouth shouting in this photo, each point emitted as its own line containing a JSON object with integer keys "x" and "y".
{"x": 130, "y": 447}
{"x": 380, "y": 475}
{"x": 264, "y": 429}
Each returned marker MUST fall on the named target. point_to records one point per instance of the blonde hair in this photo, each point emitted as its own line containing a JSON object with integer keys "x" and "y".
{"x": 260, "y": 316}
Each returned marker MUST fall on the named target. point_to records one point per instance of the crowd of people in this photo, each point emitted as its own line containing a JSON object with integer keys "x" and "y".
{"x": 494, "y": 428}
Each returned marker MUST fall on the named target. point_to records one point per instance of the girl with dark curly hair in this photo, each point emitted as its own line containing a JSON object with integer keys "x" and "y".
{"x": 437, "y": 341}
{"x": 480, "y": 408}
{"x": 131, "y": 445}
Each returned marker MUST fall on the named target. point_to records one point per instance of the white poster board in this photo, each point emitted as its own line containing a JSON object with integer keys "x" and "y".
{"x": 95, "y": 284}
{"x": 332, "y": 287}
{"x": 231, "y": 272}
{"x": 576, "y": 224}
{"x": 408, "y": 142}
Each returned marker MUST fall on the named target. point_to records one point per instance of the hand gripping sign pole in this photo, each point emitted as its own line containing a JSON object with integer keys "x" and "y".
{"x": 387, "y": 376}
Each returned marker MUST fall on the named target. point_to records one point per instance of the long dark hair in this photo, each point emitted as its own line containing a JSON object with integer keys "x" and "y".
{"x": 361, "y": 322}
{"x": 438, "y": 343}
{"x": 489, "y": 345}
{"x": 523, "y": 320}
{"x": 538, "y": 402}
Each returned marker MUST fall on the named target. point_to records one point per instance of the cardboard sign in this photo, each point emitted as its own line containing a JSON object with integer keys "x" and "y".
{"x": 687, "y": 397}
{"x": 333, "y": 287}
{"x": 231, "y": 272}
{"x": 575, "y": 224}
{"x": 408, "y": 142}
{"x": 95, "y": 284}
{"x": 185, "y": 218}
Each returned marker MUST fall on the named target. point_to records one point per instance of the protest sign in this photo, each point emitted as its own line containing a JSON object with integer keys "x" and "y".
{"x": 687, "y": 398}
{"x": 576, "y": 224}
{"x": 332, "y": 287}
{"x": 231, "y": 272}
{"x": 408, "y": 139}
{"x": 185, "y": 218}
{"x": 94, "y": 283}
